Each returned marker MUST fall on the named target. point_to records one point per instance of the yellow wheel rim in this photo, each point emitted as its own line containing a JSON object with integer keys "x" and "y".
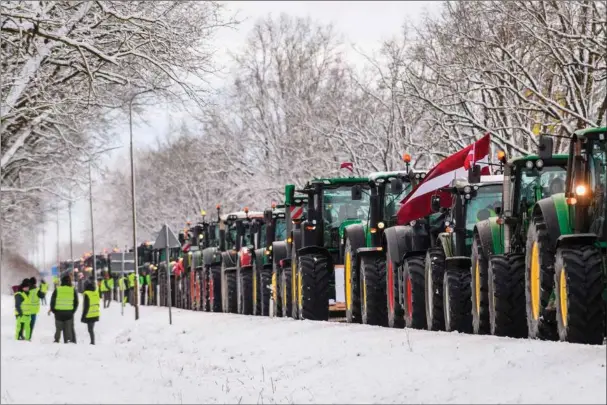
{"x": 293, "y": 281}
{"x": 563, "y": 297}
{"x": 477, "y": 278}
{"x": 348, "y": 275}
{"x": 364, "y": 303}
{"x": 274, "y": 289}
{"x": 535, "y": 281}
{"x": 300, "y": 290}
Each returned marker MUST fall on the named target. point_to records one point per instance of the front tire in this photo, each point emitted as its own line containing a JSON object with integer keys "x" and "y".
{"x": 285, "y": 288}
{"x": 232, "y": 294}
{"x": 396, "y": 314}
{"x": 373, "y": 291}
{"x": 435, "y": 272}
{"x": 479, "y": 287}
{"x": 456, "y": 301}
{"x": 506, "y": 282}
{"x": 315, "y": 284}
{"x": 414, "y": 292}
{"x": 245, "y": 291}
{"x": 580, "y": 308}
{"x": 215, "y": 289}
{"x": 351, "y": 270}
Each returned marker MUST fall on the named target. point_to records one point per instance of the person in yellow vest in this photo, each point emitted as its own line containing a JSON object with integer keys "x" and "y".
{"x": 44, "y": 289}
{"x": 22, "y": 311}
{"x": 90, "y": 308}
{"x": 106, "y": 286}
{"x": 34, "y": 296}
{"x": 131, "y": 287}
{"x": 64, "y": 303}
{"x": 122, "y": 288}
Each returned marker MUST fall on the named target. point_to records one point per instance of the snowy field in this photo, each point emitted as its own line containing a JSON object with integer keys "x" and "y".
{"x": 217, "y": 358}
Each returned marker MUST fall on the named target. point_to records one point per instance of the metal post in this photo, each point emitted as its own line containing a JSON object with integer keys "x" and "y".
{"x": 71, "y": 244}
{"x": 58, "y": 260}
{"x": 168, "y": 274}
{"x": 92, "y": 224}
{"x": 134, "y": 213}
{"x": 43, "y": 247}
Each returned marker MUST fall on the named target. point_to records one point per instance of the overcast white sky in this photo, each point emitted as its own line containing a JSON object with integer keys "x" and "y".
{"x": 363, "y": 23}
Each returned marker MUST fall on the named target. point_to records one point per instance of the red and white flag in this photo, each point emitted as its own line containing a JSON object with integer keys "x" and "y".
{"x": 418, "y": 203}
{"x": 347, "y": 165}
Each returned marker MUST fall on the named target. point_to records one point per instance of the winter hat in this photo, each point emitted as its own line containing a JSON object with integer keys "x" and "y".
{"x": 25, "y": 282}
{"x": 33, "y": 281}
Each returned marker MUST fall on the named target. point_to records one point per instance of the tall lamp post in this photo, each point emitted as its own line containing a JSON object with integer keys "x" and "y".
{"x": 92, "y": 224}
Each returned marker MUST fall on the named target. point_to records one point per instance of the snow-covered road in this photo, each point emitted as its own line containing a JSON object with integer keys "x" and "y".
{"x": 217, "y": 358}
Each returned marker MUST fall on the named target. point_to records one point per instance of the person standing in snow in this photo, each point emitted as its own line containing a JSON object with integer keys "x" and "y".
{"x": 34, "y": 297}
{"x": 64, "y": 303}
{"x": 132, "y": 289}
{"x": 105, "y": 287}
{"x": 90, "y": 309}
{"x": 22, "y": 311}
{"x": 44, "y": 289}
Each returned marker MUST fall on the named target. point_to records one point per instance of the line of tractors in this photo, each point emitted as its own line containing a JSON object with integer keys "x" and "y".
{"x": 521, "y": 253}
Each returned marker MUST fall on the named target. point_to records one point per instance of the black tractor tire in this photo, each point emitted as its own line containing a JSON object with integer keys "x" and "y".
{"x": 353, "y": 314}
{"x": 245, "y": 291}
{"x": 414, "y": 292}
{"x": 295, "y": 277}
{"x": 285, "y": 289}
{"x": 456, "y": 301}
{"x": 396, "y": 313}
{"x": 373, "y": 291}
{"x": 580, "y": 283}
{"x": 231, "y": 287}
{"x": 278, "y": 297}
{"x": 433, "y": 279}
{"x": 215, "y": 285}
{"x": 264, "y": 286}
{"x": 506, "y": 282}
{"x": 543, "y": 324}
{"x": 479, "y": 275}
{"x": 315, "y": 284}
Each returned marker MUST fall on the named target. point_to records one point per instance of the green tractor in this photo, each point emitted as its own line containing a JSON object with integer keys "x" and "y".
{"x": 498, "y": 285}
{"x": 567, "y": 247}
{"x": 363, "y": 251}
{"x": 273, "y": 229}
{"x": 283, "y": 285}
{"x": 211, "y": 263}
{"x": 438, "y": 295}
{"x": 317, "y": 266}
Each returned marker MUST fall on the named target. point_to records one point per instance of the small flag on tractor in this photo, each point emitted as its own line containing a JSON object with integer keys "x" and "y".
{"x": 347, "y": 165}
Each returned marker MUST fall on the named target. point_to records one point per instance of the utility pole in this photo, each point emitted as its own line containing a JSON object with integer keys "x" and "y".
{"x": 58, "y": 259}
{"x": 133, "y": 200}
{"x": 92, "y": 224}
{"x": 71, "y": 242}
{"x": 43, "y": 266}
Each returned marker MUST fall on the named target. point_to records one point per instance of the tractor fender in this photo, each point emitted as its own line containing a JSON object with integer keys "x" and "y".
{"x": 296, "y": 239}
{"x": 229, "y": 259}
{"x": 458, "y": 263}
{"x": 555, "y": 214}
{"x": 356, "y": 234}
{"x": 491, "y": 236}
{"x": 211, "y": 256}
{"x": 259, "y": 257}
{"x": 404, "y": 241}
{"x": 577, "y": 239}
{"x": 317, "y": 250}
{"x": 369, "y": 252}
{"x": 280, "y": 251}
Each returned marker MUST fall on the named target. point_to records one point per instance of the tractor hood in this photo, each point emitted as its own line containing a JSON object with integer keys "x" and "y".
{"x": 347, "y": 222}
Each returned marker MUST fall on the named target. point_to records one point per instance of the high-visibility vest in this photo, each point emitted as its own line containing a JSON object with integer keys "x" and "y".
{"x": 25, "y": 307}
{"x": 55, "y": 280}
{"x": 106, "y": 285}
{"x": 93, "y": 310}
{"x": 121, "y": 285}
{"x": 148, "y": 279}
{"x": 34, "y": 301}
{"x": 44, "y": 287}
{"x": 65, "y": 298}
{"x": 131, "y": 278}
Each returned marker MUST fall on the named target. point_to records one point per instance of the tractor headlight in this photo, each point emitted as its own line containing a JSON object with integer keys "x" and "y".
{"x": 381, "y": 225}
{"x": 539, "y": 163}
{"x": 467, "y": 196}
{"x": 581, "y": 189}
{"x": 467, "y": 189}
{"x": 529, "y": 164}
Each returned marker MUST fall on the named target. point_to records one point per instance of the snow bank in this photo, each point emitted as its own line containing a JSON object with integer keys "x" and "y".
{"x": 220, "y": 358}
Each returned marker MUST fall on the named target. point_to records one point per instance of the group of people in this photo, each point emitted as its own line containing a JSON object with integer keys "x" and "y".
{"x": 64, "y": 303}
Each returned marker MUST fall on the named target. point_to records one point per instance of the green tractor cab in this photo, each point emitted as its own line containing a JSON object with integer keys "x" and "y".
{"x": 317, "y": 266}
{"x": 438, "y": 290}
{"x": 567, "y": 247}
{"x": 363, "y": 245}
{"x": 498, "y": 284}
{"x": 296, "y": 206}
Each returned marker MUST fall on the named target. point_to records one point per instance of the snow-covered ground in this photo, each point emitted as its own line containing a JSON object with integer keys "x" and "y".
{"x": 217, "y": 358}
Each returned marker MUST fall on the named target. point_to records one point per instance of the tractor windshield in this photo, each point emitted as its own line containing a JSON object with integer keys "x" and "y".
{"x": 280, "y": 230}
{"x": 392, "y": 199}
{"x": 483, "y": 205}
{"x": 538, "y": 184}
{"x": 339, "y": 206}
{"x": 599, "y": 178}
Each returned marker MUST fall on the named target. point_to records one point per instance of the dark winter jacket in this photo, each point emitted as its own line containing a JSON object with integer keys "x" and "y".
{"x": 64, "y": 315}
{"x": 19, "y": 303}
{"x": 86, "y": 304}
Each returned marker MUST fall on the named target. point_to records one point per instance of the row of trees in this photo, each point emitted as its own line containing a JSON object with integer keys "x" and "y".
{"x": 69, "y": 70}
{"x": 295, "y": 108}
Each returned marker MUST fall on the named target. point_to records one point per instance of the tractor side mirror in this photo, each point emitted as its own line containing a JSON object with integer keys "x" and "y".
{"x": 181, "y": 238}
{"x": 396, "y": 185}
{"x": 435, "y": 203}
{"x": 474, "y": 174}
{"x": 545, "y": 147}
{"x": 267, "y": 215}
{"x": 357, "y": 192}
{"x": 498, "y": 210}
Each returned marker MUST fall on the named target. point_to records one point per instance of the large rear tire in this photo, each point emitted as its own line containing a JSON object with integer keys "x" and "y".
{"x": 396, "y": 314}
{"x": 580, "y": 283}
{"x": 265, "y": 289}
{"x": 315, "y": 284}
{"x": 373, "y": 291}
{"x": 232, "y": 294}
{"x": 245, "y": 291}
{"x": 456, "y": 301}
{"x": 351, "y": 270}
{"x": 435, "y": 271}
{"x": 414, "y": 294}
{"x": 479, "y": 287}
{"x": 506, "y": 282}
{"x": 295, "y": 284}
{"x": 215, "y": 289}
{"x": 285, "y": 288}
{"x": 539, "y": 282}
{"x": 277, "y": 289}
